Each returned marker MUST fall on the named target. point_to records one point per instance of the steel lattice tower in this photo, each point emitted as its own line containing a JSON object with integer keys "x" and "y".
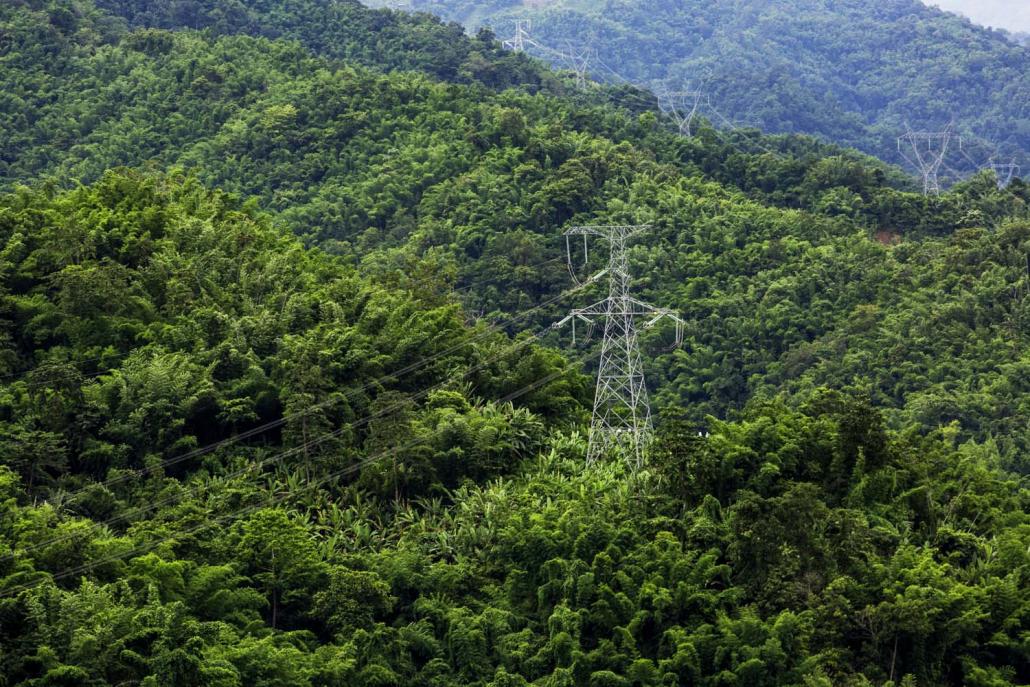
{"x": 521, "y": 39}
{"x": 682, "y": 106}
{"x": 621, "y": 421}
{"x": 1005, "y": 172}
{"x": 578, "y": 62}
{"x": 928, "y": 149}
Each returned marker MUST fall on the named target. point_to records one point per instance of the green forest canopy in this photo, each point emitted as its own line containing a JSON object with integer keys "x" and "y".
{"x": 452, "y": 540}
{"x": 236, "y": 457}
{"x": 775, "y": 259}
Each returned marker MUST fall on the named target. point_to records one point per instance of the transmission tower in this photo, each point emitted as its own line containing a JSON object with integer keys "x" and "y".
{"x": 1004, "y": 171}
{"x": 521, "y": 39}
{"x": 622, "y": 413}
{"x": 578, "y": 62}
{"x": 682, "y": 106}
{"x": 926, "y": 151}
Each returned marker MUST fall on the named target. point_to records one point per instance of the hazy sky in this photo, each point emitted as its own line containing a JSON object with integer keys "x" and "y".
{"x": 1003, "y": 14}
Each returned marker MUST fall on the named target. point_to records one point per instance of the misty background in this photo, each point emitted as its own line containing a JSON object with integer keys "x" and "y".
{"x": 1013, "y": 15}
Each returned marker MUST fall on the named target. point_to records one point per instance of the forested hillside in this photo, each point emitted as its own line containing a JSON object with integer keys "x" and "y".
{"x": 280, "y": 405}
{"x": 361, "y": 540}
{"x": 460, "y": 186}
{"x": 345, "y": 29}
{"x": 852, "y": 71}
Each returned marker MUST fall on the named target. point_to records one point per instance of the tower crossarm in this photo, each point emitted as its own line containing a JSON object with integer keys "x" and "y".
{"x": 598, "y": 309}
{"x": 1005, "y": 172}
{"x": 606, "y": 232}
{"x": 659, "y": 314}
{"x": 588, "y": 315}
{"x": 640, "y": 308}
{"x": 928, "y": 150}
{"x": 663, "y": 314}
{"x": 622, "y": 307}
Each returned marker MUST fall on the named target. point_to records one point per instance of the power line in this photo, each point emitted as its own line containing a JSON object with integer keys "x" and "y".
{"x": 925, "y": 151}
{"x": 962, "y": 149}
{"x": 734, "y": 128}
{"x": 228, "y": 517}
{"x": 683, "y": 107}
{"x": 268, "y": 426}
{"x": 521, "y": 344}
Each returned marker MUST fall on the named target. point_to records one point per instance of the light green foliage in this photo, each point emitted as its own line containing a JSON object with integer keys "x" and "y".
{"x": 230, "y": 324}
{"x": 802, "y": 542}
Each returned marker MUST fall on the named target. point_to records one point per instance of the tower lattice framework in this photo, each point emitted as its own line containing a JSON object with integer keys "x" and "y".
{"x": 621, "y": 421}
{"x": 1004, "y": 172}
{"x": 926, "y": 150}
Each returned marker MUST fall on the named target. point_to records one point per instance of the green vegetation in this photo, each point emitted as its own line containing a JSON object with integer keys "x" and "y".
{"x": 427, "y": 185}
{"x": 345, "y": 29}
{"x": 255, "y": 428}
{"x": 851, "y": 71}
{"x": 148, "y": 317}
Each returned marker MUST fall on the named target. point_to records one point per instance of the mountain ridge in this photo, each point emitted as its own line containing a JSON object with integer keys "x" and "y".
{"x": 854, "y": 73}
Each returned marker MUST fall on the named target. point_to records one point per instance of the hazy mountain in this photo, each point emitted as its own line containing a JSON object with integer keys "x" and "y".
{"x": 853, "y": 71}
{"x": 1013, "y": 15}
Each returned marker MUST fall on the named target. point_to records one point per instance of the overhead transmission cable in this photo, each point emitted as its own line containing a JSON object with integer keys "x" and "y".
{"x": 491, "y": 329}
{"x": 276, "y": 458}
{"x": 649, "y": 103}
{"x": 275, "y": 499}
{"x": 524, "y": 39}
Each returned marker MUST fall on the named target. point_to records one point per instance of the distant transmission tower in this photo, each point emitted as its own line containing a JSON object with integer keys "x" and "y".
{"x": 521, "y": 39}
{"x": 622, "y": 413}
{"x": 578, "y": 62}
{"x": 1005, "y": 172}
{"x": 926, "y": 151}
{"x": 682, "y": 106}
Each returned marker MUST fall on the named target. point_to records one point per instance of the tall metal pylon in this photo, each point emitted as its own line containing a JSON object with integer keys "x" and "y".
{"x": 521, "y": 39}
{"x": 621, "y": 419}
{"x": 682, "y": 106}
{"x": 578, "y": 62}
{"x": 1005, "y": 172}
{"x": 927, "y": 149}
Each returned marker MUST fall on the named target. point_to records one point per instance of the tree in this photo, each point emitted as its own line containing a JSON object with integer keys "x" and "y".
{"x": 276, "y": 550}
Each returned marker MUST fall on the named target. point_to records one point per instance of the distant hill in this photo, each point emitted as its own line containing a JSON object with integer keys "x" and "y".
{"x": 852, "y": 71}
